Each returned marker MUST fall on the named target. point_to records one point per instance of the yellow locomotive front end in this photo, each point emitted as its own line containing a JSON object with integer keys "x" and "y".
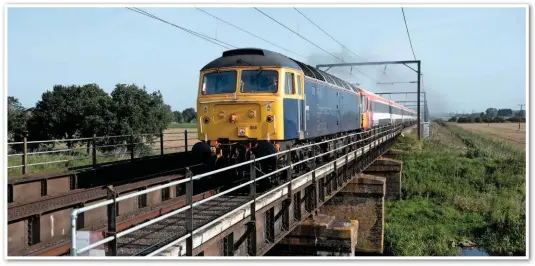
{"x": 239, "y": 105}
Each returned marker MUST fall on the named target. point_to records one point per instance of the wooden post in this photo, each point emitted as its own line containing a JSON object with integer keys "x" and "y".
{"x": 132, "y": 155}
{"x": 25, "y": 155}
{"x": 186, "y": 140}
{"x": 94, "y": 149}
{"x": 161, "y": 142}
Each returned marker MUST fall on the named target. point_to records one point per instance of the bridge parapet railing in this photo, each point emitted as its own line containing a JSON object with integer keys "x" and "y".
{"x": 349, "y": 143}
{"x": 42, "y": 155}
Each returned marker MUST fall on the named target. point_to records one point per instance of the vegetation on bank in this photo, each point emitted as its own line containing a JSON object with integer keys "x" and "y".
{"x": 456, "y": 195}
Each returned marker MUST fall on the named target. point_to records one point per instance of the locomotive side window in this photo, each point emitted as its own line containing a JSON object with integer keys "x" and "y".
{"x": 219, "y": 82}
{"x": 260, "y": 81}
{"x": 298, "y": 79}
{"x": 289, "y": 83}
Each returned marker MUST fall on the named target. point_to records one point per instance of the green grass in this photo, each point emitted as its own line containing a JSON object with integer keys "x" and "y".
{"x": 453, "y": 195}
{"x": 182, "y": 125}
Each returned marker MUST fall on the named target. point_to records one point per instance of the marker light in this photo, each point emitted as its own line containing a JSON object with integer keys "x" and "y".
{"x": 233, "y": 118}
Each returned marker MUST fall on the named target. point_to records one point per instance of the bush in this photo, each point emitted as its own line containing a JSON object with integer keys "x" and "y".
{"x": 498, "y": 119}
{"x": 465, "y": 119}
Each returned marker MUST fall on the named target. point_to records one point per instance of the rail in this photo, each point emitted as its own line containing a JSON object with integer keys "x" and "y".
{"x": 350, "y": 143}
{"x": 108, "y": 148}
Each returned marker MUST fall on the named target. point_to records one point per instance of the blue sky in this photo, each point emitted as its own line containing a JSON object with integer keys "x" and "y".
{"x": 472, "y": 58}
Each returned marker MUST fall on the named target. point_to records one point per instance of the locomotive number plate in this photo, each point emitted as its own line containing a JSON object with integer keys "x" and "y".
{"x": 253, "y": 127}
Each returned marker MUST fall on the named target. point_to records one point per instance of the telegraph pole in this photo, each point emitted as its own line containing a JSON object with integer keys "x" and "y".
{"x": 520, "y": 117}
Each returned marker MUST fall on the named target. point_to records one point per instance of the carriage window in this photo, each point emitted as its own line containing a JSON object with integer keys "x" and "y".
{"x": 289, "y": 83}
{"x": 259, "y": 81}
{"x": 219, "y": 82}
{"x": 298, "y": 77}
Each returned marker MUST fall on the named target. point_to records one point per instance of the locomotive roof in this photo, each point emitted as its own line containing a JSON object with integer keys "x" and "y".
{"x": 251, "y": 57}
{"x": 263, "y": 57}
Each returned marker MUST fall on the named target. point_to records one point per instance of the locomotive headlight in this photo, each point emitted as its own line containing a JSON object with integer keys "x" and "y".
{"x": 206, "y": 120}
{"x": 251, "y": 113}
{"x": 221, "y": 115}
{"x": 269, "y": 118}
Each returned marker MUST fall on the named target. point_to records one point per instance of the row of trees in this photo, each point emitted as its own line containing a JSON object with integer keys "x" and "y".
{"x": 491, "y": 115}
{"x": 497, "y": 119}
{"x": 493, "y": 112}
{"x": 81, "y": 111}
{"x": 187, "y": 116}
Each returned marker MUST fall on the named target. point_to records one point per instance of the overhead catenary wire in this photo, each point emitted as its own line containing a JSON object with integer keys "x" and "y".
{"x": 304, "y": 38}
{"x": 207, "y": 38}
{"x": 408, "y": 34}
{"x": 250, "y": 33}
{"x": 317, "y": 26}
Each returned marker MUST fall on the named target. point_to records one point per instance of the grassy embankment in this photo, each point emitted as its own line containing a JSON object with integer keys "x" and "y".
{"x": 459, "y": 187}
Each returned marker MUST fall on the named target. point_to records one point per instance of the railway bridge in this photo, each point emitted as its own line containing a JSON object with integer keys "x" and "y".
{"x": 318, "y": 202}
{"x": 327, "y": 204}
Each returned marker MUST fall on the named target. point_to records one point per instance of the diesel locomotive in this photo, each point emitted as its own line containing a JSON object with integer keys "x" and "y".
{"x": 262, "y": 101}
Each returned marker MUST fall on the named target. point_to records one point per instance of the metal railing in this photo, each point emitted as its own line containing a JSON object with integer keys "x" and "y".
{"x": 351, "y": 143}
{"x": 112, "y": 148}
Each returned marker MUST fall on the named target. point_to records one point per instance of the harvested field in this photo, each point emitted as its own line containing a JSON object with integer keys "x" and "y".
{"x": 502, "y": 131}
{"x": 173, "y": 140}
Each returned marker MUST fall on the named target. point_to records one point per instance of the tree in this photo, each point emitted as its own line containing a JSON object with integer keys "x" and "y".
{"x": 482, "y": 115}
{"x": 71, "y": 112}
{"x": 520, "y": 113}
{"x": 505, "y": 112}
{"x": 189, "y": 114}
{"x": 491, "y": 112}
{"x": 177, "y": 116}
{"x": 139, "y": 112}
{"x": 17, "y": 117}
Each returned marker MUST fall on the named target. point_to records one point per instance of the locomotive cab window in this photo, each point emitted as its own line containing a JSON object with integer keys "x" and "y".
{"x": 219, "y": 82}
{"x": 298, "y": 79}
{"x": 263, "y": 81}
{"x": 289, "y": 83}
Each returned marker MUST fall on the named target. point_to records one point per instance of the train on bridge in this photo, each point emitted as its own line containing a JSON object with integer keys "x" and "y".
{"x": 260, "y": 101}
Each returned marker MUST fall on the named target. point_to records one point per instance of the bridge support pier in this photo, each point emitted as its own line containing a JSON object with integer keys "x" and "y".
{"x": 324, "y": 235}
{"x": 391, "y": 170}
{"x": 351, "y": 222}
{"x": 363, "y": 200}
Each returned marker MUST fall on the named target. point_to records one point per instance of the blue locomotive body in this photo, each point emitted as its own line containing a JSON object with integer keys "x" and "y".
{"x": 326, "y": 110}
